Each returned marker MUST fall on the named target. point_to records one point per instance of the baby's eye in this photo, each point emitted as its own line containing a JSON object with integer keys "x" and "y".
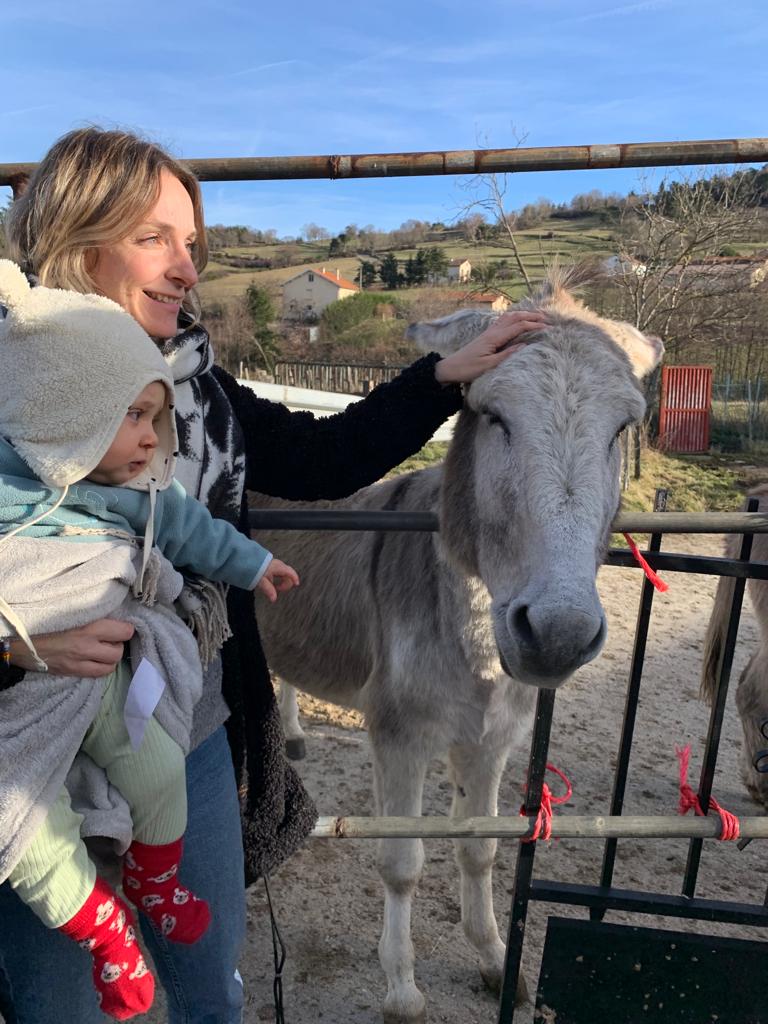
{"x": 133, "y": 415}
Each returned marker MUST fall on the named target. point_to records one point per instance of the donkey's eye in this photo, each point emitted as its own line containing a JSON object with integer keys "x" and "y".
{"x": 618, "y": 434}
{"x": 497, "y": 421}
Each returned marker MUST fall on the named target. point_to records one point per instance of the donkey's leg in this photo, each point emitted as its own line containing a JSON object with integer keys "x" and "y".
{"x": 752, "y": 704}
{"x": 288, "y": 705}
{"x": 399, "y": 780}
{"x": 476, "y": 773}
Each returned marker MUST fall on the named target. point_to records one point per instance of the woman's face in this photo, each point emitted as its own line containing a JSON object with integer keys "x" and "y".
{"x": 151, "y": 270}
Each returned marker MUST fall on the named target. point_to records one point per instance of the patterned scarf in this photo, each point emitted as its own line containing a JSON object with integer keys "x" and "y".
{"x": 211, "y": 463}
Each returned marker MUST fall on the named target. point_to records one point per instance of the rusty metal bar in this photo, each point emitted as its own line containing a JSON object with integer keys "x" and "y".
{"x": 629, "y": 522}
{"x": 465, "y": 161}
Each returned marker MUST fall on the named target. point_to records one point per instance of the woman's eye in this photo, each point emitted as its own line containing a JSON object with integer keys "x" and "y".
{"x": 149, "y": 239}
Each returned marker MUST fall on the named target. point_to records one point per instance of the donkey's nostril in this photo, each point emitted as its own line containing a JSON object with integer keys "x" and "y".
{"x": 522, "y": 625}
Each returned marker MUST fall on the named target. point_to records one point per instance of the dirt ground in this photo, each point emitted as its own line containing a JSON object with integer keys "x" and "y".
{"x": 328, "y": 899}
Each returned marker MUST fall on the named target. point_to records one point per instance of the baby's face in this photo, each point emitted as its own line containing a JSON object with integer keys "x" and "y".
{"x": 135, "y": 441}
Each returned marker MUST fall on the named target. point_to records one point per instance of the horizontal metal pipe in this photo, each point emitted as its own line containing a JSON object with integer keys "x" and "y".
{"x": 465, "y": 161}
{"x": 563, "y": 827}
{"x": 707, "y": 565}
{"x": 626, "y": 522}
{"x": 637, "y": 902}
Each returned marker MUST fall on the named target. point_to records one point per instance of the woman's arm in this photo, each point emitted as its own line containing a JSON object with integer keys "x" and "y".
{"x": 90, "y": 651}
{"x": 296, "y": 456}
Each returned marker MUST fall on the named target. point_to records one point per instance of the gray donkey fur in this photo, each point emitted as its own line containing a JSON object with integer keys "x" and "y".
{"x": 442, "y": 639}
{"x": 752, "y": 689}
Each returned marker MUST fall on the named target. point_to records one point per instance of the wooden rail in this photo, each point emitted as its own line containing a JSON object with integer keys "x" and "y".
{"x": 571, "y": 826}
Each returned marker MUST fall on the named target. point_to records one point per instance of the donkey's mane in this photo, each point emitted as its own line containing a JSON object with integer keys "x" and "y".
{"x": 554, "y": 292}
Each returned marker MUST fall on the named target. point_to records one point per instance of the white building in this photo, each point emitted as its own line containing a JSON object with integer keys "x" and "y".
{"x": 308, "y": 293}
{"x": 459, "y": 270}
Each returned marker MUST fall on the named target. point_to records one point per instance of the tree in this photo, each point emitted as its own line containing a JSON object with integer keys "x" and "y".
{"x": 669, "y": 284}
{"x": 490, "y": 198}
{"x": 261, "y": 313}
{"x": 416, "y": 269}
{"x": 389, "y": 272}
{"x": 367, "y": 273}
{"x": 436, "y": 262}
{"x": 314, "y": 233}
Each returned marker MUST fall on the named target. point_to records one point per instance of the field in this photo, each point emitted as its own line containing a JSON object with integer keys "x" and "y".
{"x": 564, "y": 239}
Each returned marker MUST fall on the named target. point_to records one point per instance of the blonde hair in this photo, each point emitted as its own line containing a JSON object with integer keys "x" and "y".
{"x": 88, "y": 191}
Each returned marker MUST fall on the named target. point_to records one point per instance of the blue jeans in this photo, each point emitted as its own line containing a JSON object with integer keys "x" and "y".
{"x": 45, "y": 978}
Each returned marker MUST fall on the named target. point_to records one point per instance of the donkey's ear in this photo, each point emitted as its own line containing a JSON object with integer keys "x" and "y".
{"x": 449, "y": 333}
{"x": 645, "y": 351}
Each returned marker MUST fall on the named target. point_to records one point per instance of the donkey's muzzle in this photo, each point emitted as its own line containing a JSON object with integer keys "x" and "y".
{"x": 543, "y": 645}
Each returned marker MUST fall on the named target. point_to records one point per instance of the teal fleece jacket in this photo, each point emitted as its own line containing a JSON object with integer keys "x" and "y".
{"x": 184, "y": 530}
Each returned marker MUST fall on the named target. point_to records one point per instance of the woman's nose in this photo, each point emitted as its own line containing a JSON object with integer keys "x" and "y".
{"x": 183, "y": 268}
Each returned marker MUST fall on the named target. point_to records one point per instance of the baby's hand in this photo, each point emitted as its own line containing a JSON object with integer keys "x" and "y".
{"x": 278, "y": 578}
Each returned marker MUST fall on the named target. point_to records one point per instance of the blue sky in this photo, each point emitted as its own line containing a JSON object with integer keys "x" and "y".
{"x": 249, "y": 78}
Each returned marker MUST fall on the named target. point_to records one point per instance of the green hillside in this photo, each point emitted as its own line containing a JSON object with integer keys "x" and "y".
{"x": 568, "y": 241}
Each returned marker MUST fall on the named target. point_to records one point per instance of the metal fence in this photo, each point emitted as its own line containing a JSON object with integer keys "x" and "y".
{"x": 600, "y": 896}
{"x": 739, "y": 417}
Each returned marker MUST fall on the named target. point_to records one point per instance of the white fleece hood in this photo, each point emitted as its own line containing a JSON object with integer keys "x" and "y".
{"x": 71, "y": 365}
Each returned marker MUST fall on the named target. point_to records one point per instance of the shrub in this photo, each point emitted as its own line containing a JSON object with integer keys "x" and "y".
{"x": 344, "y": 314}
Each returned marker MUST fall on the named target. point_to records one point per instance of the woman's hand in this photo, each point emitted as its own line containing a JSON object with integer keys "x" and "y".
{"x": 491, "y": 347}
{"x": 278, "y": 578}
{"x": 90, "y": 651}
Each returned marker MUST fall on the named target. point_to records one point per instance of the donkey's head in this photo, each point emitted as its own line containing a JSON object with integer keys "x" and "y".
{"x": 531, "y": 480}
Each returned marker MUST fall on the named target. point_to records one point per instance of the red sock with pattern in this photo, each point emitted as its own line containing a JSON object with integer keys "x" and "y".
{"x": 105, "y": 927}
{"x": 149, "y": 880}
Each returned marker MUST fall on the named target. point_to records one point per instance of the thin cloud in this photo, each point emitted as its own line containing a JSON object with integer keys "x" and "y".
{"x": 26, "y": 110}
{"x": 612, "y": 12}
{"x": 262, "y": 67}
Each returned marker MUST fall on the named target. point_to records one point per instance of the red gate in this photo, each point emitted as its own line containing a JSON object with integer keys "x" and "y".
{"x": 686, "y": 397}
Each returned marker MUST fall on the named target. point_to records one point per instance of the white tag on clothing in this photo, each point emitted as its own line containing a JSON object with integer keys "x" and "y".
{"x": 145, "y": 690}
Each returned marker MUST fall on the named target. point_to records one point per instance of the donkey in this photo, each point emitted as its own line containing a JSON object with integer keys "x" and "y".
{"x": 752, "y": 689}
{"x": 442, "y": 639}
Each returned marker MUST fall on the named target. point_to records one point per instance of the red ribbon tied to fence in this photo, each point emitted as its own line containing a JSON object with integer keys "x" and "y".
{"x": 542, "y": 828}
{"x": 653, "y": 577}
{"x": 729, "y": 829}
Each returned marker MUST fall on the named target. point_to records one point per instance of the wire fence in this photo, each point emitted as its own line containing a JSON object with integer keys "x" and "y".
{"x": 739, "y": 419}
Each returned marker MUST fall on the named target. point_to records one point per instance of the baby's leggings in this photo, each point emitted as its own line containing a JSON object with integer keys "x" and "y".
{"x": 55, "y": 876}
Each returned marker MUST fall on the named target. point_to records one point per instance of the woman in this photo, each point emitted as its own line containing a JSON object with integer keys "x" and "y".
{"x": 110, "y": 213}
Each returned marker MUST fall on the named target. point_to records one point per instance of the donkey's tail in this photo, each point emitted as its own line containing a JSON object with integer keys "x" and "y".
{"x": 714, "y": 640}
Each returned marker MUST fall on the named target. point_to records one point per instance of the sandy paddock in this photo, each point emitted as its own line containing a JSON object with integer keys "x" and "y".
{"x": 328, "y": 898}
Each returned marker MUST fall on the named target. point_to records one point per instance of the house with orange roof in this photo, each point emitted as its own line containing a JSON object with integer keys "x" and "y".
{"x": 491, "y": 302}
{"x": 307, "y": 294}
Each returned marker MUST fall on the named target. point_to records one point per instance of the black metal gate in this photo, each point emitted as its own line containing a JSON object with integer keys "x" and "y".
{"x": 581, "y": 988}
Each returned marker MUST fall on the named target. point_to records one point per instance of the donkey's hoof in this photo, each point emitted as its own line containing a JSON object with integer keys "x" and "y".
{"x": 398, "y": 1018}
{"x": 402, "y": 1011}
{"x": 295, "y": 750}
{"x": 492, "y": 978}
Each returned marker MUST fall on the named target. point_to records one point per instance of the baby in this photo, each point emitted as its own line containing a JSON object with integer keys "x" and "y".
{"x": 92, "y": 525}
